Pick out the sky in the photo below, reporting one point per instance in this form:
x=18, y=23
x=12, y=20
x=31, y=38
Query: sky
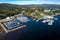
x=25, y=2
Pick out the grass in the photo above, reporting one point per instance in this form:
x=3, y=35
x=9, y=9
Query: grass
x=37, y=15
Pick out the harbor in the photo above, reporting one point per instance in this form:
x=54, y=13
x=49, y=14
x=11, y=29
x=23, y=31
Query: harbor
x=29, y=19
x=13, y=23
x=18, y=20
x=33, y=31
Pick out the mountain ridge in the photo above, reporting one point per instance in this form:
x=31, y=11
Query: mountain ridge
x=30, y=5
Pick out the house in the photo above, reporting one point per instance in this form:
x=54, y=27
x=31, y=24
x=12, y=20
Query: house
x=47, y=10
x=9, y=18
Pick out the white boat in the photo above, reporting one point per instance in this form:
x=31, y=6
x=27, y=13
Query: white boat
x=44, y=21
x=23, y=19
x=49, y=20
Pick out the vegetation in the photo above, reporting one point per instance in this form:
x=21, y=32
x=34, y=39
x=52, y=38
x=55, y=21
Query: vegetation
x=12, y=9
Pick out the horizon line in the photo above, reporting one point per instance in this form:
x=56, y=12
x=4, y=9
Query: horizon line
x=29, y=4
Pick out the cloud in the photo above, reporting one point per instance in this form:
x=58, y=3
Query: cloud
x=24, y=2
x=33, y=2
x=15, y=0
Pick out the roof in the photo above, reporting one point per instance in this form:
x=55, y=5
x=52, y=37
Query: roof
x=48, y=17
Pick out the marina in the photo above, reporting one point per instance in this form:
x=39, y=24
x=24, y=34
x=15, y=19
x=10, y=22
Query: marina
x=14, y=24
x=33, y=31
x=20, y=21
x=49, y=20
x=29, y=19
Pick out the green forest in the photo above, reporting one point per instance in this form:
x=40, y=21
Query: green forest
x=12, y=9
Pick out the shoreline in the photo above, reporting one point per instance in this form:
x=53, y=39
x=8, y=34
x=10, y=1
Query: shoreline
x=42, y=17
x=35, y=19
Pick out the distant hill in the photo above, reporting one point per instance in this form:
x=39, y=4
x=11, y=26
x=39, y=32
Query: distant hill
x=5, y=5
x=14, y=9
x=44, y=5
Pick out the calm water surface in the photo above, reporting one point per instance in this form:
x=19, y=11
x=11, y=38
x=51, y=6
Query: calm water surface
x=35, y=30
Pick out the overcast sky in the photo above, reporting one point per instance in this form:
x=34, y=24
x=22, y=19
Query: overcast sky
x=24, y=2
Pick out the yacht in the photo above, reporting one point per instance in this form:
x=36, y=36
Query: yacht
x=49, y=19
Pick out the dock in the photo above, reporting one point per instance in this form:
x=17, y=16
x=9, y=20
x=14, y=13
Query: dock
x=8, y=20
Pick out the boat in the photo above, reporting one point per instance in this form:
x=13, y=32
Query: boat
x=49, y=19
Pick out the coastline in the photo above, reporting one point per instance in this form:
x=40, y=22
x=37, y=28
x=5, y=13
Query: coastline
x=42, y=17
x=35, y=19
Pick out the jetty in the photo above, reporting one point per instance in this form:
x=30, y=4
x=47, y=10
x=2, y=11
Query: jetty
x=13, y=23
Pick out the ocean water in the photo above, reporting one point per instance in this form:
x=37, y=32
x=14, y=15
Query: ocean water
x=35, y=30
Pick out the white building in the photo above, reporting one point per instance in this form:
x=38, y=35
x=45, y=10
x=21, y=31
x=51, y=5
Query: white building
x=9, y=18
x=47, y=10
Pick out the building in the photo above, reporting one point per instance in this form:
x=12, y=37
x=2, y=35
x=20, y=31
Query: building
x=47, y=11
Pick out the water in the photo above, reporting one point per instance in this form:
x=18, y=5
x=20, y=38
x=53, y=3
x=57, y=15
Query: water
x=35, y=30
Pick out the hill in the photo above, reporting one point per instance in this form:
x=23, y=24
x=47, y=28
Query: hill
x=5, y=5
